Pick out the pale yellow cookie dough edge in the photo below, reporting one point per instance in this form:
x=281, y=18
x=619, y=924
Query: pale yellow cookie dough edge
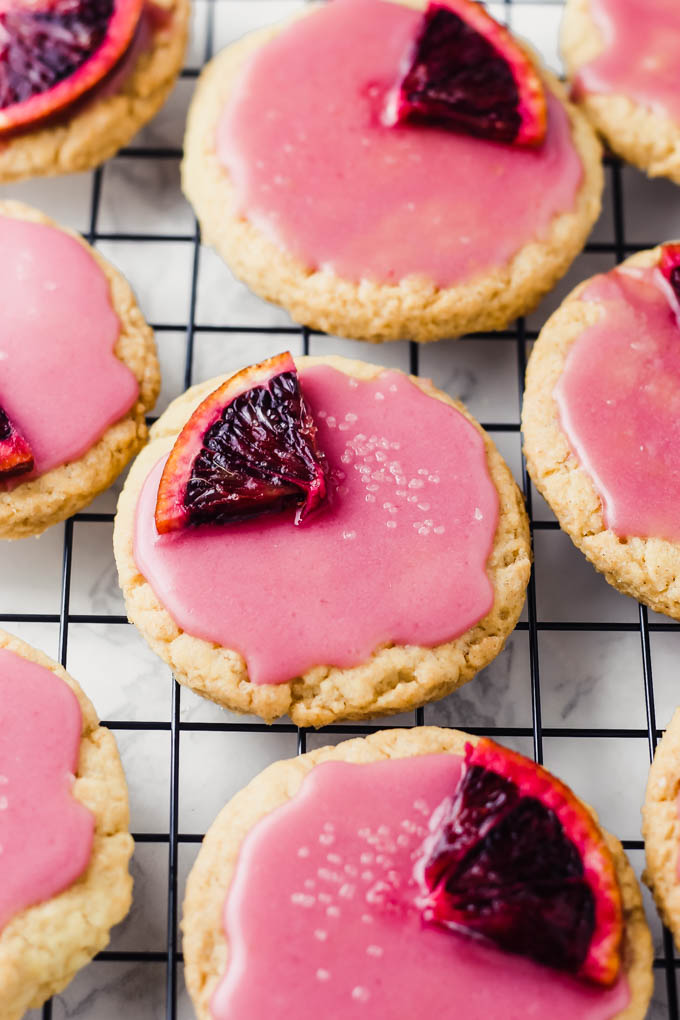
x=34, y=505
x=205, y=945
x=395, y=678
x=641, y=136
x=43, y=947
x=103, y=126
x=413, y=309
x=648, y=569
x=661, y=827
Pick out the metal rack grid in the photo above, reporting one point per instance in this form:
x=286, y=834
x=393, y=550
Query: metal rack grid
x=519, y=338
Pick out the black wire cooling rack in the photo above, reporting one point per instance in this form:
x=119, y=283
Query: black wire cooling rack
x=168, y=999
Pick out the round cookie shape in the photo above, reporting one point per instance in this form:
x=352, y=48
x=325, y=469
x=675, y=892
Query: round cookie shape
x=31, y=503
x=661, y=827
x=206, y=950
x=392, y=679
x=647, y=568
x=637, y=123
x=44, y=945
x=378, y=308
x=105, y=119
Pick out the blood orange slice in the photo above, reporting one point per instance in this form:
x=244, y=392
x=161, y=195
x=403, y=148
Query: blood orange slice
x=466, y=72
x=16, y=456
x=670, y=266
x=54, y=51
x=516, y=859
x=249, y=448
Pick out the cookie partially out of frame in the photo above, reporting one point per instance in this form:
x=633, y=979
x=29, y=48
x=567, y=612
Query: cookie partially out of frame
x=34, y=505
x=648, y=569
x=395, y=678
x=414, y=308
x=647, y=138
x=661, y=827
x=103, y=123
x=205, y=946
x=43, y=947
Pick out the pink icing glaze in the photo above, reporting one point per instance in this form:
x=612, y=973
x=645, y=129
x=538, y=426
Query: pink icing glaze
x=60, y=382
x=619, y=403
x=314, y=167
x=45, y=833
x=152, y=19
x=640, y=55
x=398, y=556
x=321, y=916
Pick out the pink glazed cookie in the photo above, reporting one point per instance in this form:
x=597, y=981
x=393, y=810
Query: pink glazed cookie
x=622, y=58
x=64, y=835
x=661, y=827
x=309, y=893
x=372, y=231
x=91, y=129
x=400, y=589
x=78, y=371
x=601, y=423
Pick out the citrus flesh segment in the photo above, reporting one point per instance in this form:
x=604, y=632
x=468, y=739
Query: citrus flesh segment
x=52, y=52
x=515, y=858
x=670, y=267
x=466, y=72
x=16, y=456
x=249, y=448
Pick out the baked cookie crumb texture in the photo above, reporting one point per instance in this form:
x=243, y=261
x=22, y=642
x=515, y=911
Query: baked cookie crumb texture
x=81, y=405
x=387, y=281
x=661, y=827
x=111, y=115
x=44, y=945
x=595, y=469
x=394, y=678
x=206, y=951
x=628, y=89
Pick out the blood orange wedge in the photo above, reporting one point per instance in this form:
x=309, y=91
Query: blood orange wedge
x=54, y=51
x=670, y=266
x=465, y=71
x=516, y=859
x=16, y=456
x=249, y=448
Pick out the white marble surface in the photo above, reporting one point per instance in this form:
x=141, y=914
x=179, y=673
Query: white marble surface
x=587, y=679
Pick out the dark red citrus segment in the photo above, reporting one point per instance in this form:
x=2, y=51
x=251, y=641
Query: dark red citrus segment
x=670, y=266
x=516, y=859
x=54, y=51
x=466, y=72
x=249, y=448
x=16, y=456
